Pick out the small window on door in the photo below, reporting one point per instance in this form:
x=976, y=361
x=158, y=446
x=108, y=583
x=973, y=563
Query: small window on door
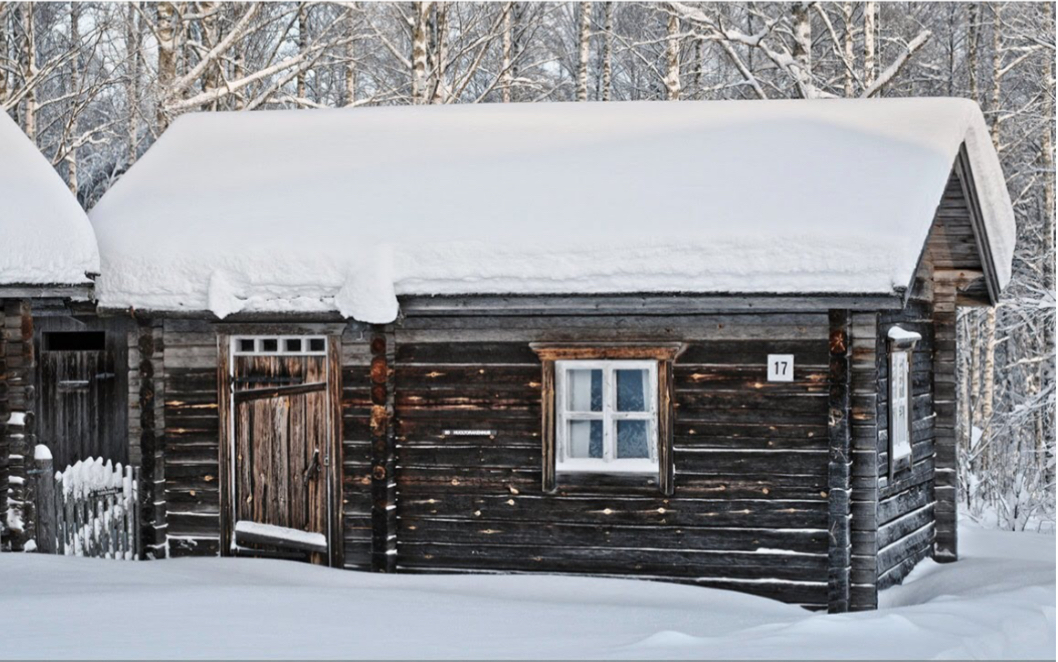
x=279, y=345
x=606, y=416
x=74, y=341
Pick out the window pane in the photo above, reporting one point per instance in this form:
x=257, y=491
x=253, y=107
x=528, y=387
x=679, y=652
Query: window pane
x=632, y=390
x=585, y=439
x=246, y=344
x=632, y=439
x=293, y=344
x=316, y=345
x=270, y=345
x=585, y=390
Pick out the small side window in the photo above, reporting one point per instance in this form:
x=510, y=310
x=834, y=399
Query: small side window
x=901, y=351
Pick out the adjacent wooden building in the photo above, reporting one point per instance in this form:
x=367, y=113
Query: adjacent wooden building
x=48, y=258
x=620, y=340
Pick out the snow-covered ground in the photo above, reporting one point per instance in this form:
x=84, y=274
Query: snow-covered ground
x=998, y=602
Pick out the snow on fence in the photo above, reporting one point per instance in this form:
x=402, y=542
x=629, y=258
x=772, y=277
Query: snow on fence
x=88, y=509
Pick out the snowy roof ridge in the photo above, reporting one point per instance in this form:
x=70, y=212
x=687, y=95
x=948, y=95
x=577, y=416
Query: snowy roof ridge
x=45, y=234
x=324, y=210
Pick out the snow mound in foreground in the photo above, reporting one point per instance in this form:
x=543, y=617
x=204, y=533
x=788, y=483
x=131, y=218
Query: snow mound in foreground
x=998, y=602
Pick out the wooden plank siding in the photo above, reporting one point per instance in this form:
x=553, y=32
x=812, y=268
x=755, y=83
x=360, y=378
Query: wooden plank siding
x=867, y=355
x=750, y=506
x=905, y=507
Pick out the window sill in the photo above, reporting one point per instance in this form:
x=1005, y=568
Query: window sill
x=592, y=481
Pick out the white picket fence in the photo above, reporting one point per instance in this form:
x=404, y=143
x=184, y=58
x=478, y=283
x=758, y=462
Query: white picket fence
x=96, y=510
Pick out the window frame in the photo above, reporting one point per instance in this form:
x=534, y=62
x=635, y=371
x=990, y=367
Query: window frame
x=663, y=355
x=609, y=415
x=901, y=350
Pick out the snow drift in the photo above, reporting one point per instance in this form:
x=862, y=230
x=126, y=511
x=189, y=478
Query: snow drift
x=348, y=209
x=45, y=237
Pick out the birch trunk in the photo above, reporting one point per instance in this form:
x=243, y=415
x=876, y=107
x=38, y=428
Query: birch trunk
x=349, y=67
x=607, y=51
x=971, y=51
x=75, y=79
x=29, y=64
x=166, y=34
x=584, y=49
x=672, y=58
x=440, y=87
x=802, y=53
x=506, y=77
x=419, y=90
x=850, y=56
x=869, y=35
x=133, y=30
x=303, y=44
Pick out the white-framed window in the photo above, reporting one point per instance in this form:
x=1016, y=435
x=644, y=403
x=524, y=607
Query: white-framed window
x=279, y=345
x=900, y=404
x=606, y=416
x=901, y=350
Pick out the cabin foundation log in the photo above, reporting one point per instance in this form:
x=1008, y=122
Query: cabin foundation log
x=383, y=453
x=839, y=466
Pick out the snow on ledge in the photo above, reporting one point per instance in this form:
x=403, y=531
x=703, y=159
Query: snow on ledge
x=902, y=336
x=281, y=533
x=345, y=210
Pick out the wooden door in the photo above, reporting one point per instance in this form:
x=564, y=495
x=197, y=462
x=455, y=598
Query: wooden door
x=282, y=449
x=77, y=395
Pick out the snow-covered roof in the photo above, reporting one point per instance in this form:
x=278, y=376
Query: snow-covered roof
x=347, y=209
x=45, y=236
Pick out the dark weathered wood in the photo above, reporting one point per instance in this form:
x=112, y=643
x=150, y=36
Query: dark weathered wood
x=383, y=453
x=946, y=546
x=43, y=476
x=633, y=304
x=148, y=437
x=547, y=428
x=839, y=561
x=666, y=426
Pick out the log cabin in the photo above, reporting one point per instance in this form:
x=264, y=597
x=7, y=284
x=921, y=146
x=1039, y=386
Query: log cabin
x=702, y=342
x=48, y=258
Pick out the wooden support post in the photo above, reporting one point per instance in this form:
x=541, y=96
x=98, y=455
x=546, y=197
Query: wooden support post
x=148, y=440
x=839, y=557
x=5, y=416
x=43, y=477
x=864, y=382
x=383, y=453
x=945, y=546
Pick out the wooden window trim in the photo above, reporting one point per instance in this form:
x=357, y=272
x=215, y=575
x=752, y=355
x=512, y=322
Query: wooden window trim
x=663, y=353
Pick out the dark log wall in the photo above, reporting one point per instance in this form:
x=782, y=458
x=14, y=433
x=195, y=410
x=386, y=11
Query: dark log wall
x=20, y=438
x=750, y=508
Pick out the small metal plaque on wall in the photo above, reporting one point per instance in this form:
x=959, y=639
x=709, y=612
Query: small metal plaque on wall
x=780, y=367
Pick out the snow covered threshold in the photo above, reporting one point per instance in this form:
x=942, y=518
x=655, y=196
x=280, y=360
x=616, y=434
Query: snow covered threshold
x=998, y=602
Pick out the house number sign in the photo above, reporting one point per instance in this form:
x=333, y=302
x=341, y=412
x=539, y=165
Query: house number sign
x=780, y=367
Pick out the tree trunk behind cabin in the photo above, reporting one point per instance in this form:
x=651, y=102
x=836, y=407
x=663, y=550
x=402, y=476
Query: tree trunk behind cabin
x=584, y=48
x=672, y=58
